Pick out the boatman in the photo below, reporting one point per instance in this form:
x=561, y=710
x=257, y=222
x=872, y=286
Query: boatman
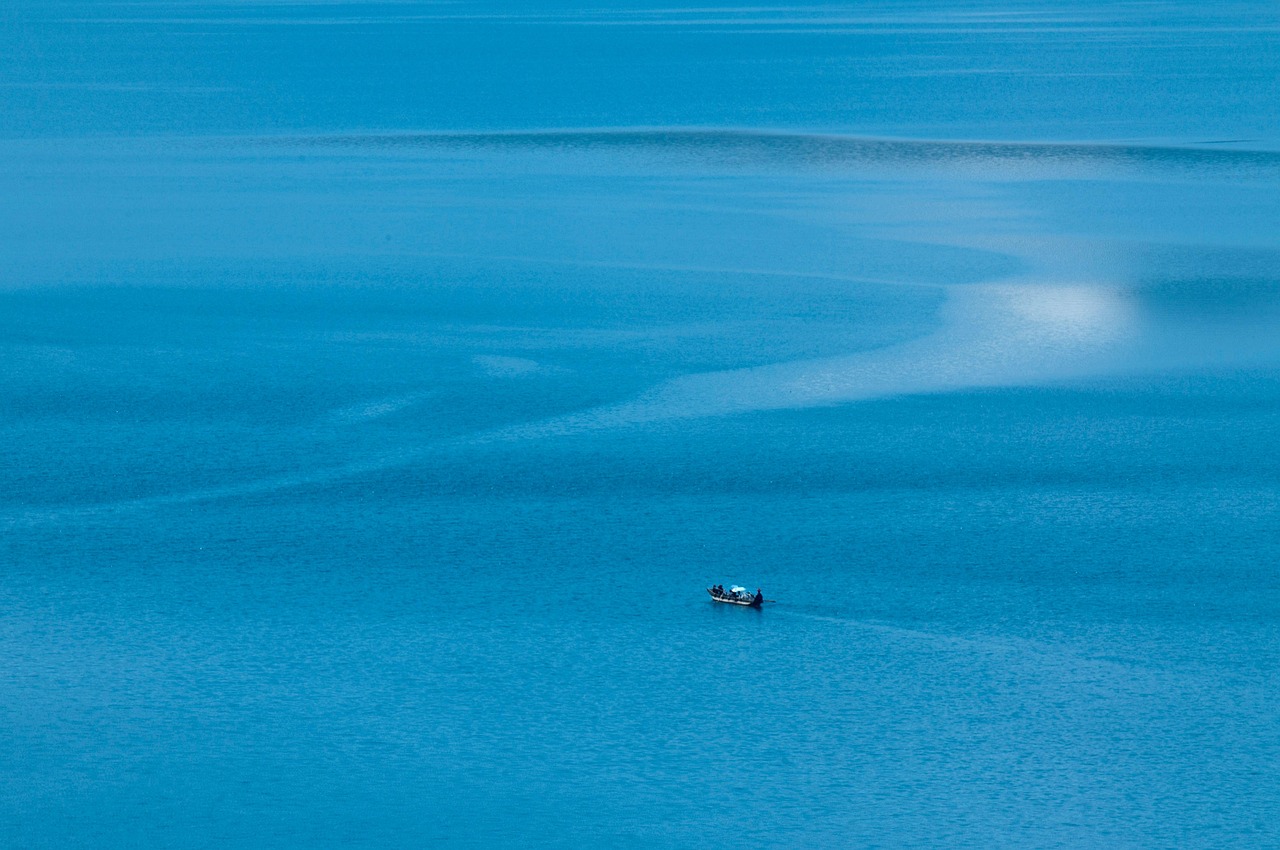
x=759, y=597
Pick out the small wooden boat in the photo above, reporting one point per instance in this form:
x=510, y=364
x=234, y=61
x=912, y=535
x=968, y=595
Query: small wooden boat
x=736, y=596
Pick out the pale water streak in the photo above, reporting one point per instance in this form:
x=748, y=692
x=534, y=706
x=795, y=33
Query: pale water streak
x=1011, y=334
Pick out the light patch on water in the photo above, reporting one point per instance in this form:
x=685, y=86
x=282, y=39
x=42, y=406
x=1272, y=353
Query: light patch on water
x=1084, y=315
x=1000, y=334
x=368, y=411
x=497, y=366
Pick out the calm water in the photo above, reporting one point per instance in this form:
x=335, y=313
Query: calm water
x=383, y=383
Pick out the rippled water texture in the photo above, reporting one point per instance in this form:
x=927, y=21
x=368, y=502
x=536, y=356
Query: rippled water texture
x=371, y=430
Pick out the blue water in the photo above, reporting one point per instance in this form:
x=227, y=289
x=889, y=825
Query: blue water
x=383, y=383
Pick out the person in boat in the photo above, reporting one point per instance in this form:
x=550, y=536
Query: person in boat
x=758, y=598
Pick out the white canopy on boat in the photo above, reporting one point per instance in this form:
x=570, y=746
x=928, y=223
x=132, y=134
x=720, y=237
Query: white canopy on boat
x=737, y=589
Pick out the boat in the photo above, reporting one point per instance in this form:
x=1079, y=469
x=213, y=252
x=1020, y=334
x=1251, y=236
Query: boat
x=736, y=595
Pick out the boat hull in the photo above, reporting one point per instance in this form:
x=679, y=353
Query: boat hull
x=730, y=600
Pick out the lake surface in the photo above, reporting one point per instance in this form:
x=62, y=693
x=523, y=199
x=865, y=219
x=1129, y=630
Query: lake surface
x=383, y=383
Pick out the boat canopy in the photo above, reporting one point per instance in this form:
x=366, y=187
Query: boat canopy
x=737, y=589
